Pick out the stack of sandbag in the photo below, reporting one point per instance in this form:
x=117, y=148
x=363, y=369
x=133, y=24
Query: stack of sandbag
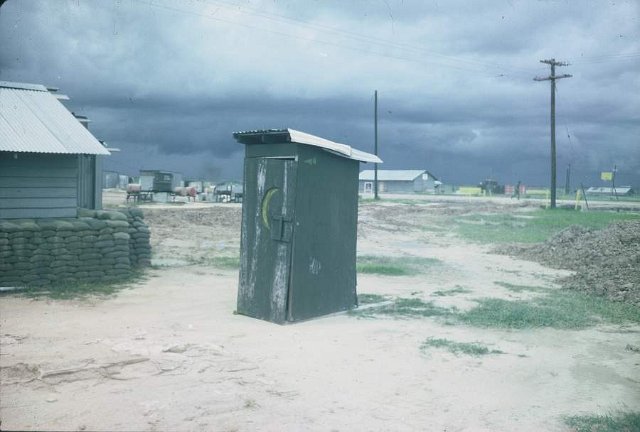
x=139, y=244
x=111, y=230
x=98, y=246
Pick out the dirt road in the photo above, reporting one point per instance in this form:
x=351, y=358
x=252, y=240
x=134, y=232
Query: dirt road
x=169, y=354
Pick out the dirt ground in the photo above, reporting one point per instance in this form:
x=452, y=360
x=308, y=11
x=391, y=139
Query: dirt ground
x=170, y=355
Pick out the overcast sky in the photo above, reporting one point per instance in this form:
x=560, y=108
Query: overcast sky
x=168, y=81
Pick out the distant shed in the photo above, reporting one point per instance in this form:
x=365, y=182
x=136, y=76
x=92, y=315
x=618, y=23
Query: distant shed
x=620, y=191
x=398, y=181
x=49, y=162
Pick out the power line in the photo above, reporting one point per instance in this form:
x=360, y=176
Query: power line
x=365, y=38
x=442, y=62
x=621, y=56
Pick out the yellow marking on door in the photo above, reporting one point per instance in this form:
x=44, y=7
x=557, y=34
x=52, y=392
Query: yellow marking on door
x=265, y=206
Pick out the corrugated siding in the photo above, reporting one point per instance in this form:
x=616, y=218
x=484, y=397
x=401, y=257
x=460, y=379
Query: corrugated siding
x=35, y=121
x=38, y=185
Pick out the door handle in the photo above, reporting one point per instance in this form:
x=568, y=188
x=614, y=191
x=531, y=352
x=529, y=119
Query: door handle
x=281, y=228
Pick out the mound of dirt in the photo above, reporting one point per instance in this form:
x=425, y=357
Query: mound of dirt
x=606, y=261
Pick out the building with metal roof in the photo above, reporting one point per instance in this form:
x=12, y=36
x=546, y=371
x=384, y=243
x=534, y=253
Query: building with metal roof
x=49, y=161
x=620, y=191
x=399, y=181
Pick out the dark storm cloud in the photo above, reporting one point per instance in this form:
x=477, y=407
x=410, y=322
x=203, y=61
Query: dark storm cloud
x=169, y=81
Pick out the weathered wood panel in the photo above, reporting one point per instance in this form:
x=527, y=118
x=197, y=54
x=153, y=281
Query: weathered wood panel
x=46, y=183
x=37, y=192
x=36, y=160
x=38, y=172
x=34, y=185
x=8, y=203
x=87, y=193
x=37, y=213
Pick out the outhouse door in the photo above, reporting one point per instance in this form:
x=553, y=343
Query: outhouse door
x=267, y=235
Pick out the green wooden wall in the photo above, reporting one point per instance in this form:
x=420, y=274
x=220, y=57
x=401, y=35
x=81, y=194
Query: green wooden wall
x=315, y=270
x=35, y=185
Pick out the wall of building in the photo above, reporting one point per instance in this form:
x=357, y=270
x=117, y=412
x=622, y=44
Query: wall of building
x=89, y=181
x=99, y=246
x=395, y=186
x=426, y=185
x=34, y=185
x=418, y=185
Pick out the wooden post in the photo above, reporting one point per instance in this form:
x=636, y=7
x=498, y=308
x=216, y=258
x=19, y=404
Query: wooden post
x=375, y=128
x=553, y=63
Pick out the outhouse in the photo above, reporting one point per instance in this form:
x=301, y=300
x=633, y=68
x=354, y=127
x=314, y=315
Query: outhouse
x=299, y=222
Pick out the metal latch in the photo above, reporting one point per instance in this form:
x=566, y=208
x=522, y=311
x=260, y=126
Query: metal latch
x=281, y=228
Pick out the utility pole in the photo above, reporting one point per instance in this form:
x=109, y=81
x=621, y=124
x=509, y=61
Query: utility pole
x=375, y=128
x=567, y=181
x=613, y=181
x=553, y=63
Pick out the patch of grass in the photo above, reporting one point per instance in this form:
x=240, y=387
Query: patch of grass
x=520, y=288
x=394, y=266
x=221, y=262
x=79, y=290
x=469, y=348
x=405, y=308
x=226, y=262
x=537, y=227
x=621, y=422
x=557, y=309
x=561, y=309
x=433, y=228
x=450, y=292
x=407, y=201
x=370, y=298
x=250, y=404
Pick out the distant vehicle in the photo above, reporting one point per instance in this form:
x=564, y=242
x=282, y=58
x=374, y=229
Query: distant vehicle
x=491, y=187
x=229, y=192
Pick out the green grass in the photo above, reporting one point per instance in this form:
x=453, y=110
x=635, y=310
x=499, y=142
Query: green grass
x=469, y=348
x=621, y=422
x=79, y=290
x=370, y=298
x=560, y=309
x=450, y=292
x=394, y=266
x=537, y=226
x=404, y=308
x=221, y=262
x=408, y=201
x=226, y=262
x=434, y=228
x=557, y=309
x=521, y=288
x=621, y=199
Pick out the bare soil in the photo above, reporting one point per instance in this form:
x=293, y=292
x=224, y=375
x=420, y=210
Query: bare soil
x=170, y=355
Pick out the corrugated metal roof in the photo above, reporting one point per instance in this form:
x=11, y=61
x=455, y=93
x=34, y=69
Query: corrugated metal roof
x=33, y=120
x=292, y=135
x=392, y=175
x=24, y=86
